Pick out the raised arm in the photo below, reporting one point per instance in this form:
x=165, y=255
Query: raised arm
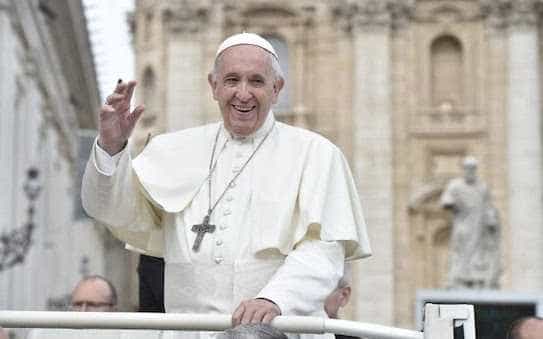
x=111, y=192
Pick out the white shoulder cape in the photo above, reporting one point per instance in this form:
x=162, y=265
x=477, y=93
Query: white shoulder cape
x=302, y=184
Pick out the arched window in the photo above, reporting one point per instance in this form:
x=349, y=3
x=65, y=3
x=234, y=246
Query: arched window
x=281, y=48
x=447, y=74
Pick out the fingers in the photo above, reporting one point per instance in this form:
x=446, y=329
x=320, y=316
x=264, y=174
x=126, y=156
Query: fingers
x=107, y=113
x=238, y=315
x=114, y=99
x=136, y=113
x=255, y=311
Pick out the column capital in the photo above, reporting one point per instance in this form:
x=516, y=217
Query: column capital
x=185, y=16
x=501, y=14
x=495, y=13
x=524, y=13
x=371, y=14
x=379, y=14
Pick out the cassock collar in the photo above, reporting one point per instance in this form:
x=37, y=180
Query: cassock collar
x=256, y=136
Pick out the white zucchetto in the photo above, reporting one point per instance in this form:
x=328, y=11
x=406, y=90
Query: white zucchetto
x=246, y=39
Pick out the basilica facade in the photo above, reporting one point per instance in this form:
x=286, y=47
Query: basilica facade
x=407, y=89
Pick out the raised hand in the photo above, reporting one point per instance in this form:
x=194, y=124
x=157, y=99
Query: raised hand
x=116, y=122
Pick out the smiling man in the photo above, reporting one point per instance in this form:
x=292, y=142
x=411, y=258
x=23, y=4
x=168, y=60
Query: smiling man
x=253, y=217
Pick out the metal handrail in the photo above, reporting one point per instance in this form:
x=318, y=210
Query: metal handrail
x=193, y=322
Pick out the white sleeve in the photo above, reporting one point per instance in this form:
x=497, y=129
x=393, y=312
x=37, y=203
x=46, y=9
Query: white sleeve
x=309, y=274
x=105, y=163
x=111, y=194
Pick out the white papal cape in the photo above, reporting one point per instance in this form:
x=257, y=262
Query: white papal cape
x=283, y=227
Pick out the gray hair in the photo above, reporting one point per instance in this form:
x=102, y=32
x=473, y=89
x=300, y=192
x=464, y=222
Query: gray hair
x=252, y=331
x=276, y=67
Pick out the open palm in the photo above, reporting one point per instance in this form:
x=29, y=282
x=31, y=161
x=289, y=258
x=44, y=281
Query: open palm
x=116, y=120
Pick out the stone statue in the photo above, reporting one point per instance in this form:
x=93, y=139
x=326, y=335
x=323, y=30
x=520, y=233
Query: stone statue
x=474, y=259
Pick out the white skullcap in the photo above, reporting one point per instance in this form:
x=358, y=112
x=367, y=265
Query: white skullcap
x=246, y=39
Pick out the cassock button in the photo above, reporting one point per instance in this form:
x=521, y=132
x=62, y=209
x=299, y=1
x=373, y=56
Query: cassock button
x=218, y=242
x=229, y=198
x=219, y=260
x=223, y=227
x=227, y=212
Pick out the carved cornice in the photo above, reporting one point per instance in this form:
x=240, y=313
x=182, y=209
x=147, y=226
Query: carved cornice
x=371, y=14
x=501, y=14
x=185, y=16
x=402, y=12
x=524, y=13
x=374, y=14
x=496, y=13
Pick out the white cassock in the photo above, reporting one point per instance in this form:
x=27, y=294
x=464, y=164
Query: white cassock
x=283, y=228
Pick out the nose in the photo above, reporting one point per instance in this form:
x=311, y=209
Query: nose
x=244, y=93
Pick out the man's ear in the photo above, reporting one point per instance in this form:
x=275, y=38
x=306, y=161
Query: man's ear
x=213, y=84
x=277, y=87
x=345, y=296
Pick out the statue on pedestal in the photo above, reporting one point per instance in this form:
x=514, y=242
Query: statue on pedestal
x=474, y=248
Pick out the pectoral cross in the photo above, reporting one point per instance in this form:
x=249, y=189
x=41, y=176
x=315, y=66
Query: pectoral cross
x=201, y=230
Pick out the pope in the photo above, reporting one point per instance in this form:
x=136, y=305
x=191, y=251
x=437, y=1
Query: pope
x=253, y=217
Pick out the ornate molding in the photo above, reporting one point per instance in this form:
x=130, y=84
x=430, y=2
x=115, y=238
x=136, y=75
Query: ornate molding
x=402, y=12
x=501, y=14
x=185, y=16
x=524, y=13
x=374, y=14
x=371, y=14
x=495, y=12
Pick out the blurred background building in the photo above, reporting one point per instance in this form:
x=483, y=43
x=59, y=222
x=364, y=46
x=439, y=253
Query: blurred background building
x=407, y=89
x=49, y=97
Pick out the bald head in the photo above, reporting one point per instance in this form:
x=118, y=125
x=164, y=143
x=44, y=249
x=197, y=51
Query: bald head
x=94, y=294
x=526, y=328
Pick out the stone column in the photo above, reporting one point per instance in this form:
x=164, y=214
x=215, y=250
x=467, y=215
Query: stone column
x=7, y=136
x=185, y=64
x=524, y=148
x=372, y=154
x=495, y=110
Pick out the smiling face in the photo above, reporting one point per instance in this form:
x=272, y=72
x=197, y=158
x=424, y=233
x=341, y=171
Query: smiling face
x=245, y=86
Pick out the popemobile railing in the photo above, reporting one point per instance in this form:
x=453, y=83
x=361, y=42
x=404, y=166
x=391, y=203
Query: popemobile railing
x=440, y=323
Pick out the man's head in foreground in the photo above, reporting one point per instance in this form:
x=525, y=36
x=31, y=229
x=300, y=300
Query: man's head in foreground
x=94, y=294
x=245, y=81
x=252, y=331
x=340, y=296
x=526, y=328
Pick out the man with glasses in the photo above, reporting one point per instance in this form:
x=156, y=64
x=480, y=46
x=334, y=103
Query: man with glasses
x=94, y=294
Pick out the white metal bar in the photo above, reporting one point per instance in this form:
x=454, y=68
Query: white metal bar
x=193, y=322
x=359, y=329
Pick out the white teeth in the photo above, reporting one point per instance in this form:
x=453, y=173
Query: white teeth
x=243, y=109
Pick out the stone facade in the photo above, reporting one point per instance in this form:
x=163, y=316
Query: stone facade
x=407, y=88
x=49, y=100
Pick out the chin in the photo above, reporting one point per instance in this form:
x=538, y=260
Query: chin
x=243, y=129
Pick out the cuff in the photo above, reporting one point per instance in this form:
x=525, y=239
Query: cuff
x=105, y=163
